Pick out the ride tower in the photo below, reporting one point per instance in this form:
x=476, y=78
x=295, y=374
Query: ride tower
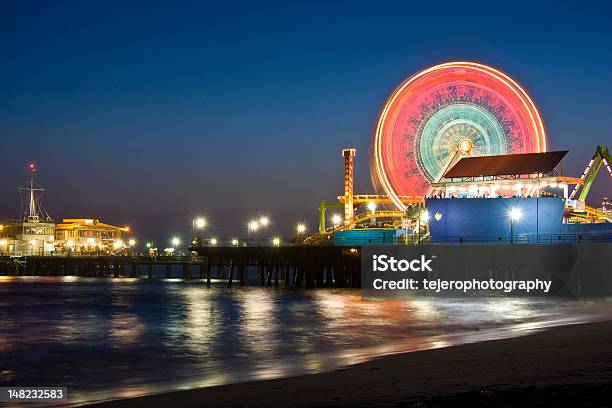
x=349, y=155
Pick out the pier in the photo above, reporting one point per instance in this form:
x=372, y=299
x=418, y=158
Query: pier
x=291, y=266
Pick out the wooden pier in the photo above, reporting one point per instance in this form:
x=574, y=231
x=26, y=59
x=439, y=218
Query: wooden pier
x=291, y=266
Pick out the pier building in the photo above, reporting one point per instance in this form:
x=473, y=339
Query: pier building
x=34, y=232
x=28, y=237
x=87, y=235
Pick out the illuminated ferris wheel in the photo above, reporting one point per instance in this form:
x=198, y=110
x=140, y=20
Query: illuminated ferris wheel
x=445, y=109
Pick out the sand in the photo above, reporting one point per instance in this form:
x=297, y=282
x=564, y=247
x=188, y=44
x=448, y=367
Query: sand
x=560, y=365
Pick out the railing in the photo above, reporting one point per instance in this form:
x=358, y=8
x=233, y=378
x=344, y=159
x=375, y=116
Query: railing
x=482, y=239
x=363, y=241
x=425, y=240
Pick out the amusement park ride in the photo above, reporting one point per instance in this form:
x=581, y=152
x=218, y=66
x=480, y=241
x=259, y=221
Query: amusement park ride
x=580, y=211
x=464, y=130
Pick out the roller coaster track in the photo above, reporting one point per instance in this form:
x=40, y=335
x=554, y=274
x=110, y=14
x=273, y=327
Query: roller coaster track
x=368, y=216
x=359, y=218
x=591, y=215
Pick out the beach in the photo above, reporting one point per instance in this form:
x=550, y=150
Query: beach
x=551, y=367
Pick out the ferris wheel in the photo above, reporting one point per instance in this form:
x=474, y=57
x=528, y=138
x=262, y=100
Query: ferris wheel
x=445, y=109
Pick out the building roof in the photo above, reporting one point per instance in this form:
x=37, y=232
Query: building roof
x=76, y=223
x=508, y=164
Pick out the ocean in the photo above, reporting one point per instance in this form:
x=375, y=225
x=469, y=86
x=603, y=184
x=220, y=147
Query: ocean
x=118, y=338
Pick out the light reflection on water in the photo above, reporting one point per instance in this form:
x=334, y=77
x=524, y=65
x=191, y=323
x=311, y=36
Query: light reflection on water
x=120, y=338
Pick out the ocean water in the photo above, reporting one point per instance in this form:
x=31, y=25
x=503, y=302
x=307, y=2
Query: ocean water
x=117, y=338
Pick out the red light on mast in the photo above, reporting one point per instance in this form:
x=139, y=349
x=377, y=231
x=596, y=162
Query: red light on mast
x=32, y=167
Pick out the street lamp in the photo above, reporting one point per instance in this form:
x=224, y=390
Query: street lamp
x=252, y=228
x=255, y=225
x=301, y=229
x=175, y=241
x=131, y=244
x=515, y=215
x=198, y=223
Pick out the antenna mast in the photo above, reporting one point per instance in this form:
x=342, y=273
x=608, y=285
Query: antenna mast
x=32, y=211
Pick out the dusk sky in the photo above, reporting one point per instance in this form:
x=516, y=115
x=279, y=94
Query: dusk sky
x=148, y=114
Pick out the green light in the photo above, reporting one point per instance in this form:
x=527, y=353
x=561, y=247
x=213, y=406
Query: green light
x=447, y=128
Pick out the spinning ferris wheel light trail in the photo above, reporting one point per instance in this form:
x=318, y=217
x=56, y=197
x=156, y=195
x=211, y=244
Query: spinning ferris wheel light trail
x=450, y=108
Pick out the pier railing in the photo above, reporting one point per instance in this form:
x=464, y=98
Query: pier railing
x=480, y=239
x=412, y=240
x=189, y=253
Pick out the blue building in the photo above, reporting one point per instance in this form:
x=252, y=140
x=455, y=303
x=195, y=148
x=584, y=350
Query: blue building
x=493, y=219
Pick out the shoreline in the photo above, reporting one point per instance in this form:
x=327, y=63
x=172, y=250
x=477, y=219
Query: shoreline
x=571, y=359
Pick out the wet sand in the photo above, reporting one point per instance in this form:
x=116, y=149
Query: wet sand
x=559, y=365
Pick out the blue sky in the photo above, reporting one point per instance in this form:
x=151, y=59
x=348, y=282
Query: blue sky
x=149, y=113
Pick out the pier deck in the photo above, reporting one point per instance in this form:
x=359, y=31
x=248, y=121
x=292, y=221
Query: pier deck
x=292, y=266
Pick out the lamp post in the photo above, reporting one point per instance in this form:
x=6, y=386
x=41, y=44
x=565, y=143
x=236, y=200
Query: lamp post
x=175, y=241
x=262, y=223
x=198, y=223
x=515, y=215
x=252, y=227
x=301, y=228
x=336, y=220
x=132, y=244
